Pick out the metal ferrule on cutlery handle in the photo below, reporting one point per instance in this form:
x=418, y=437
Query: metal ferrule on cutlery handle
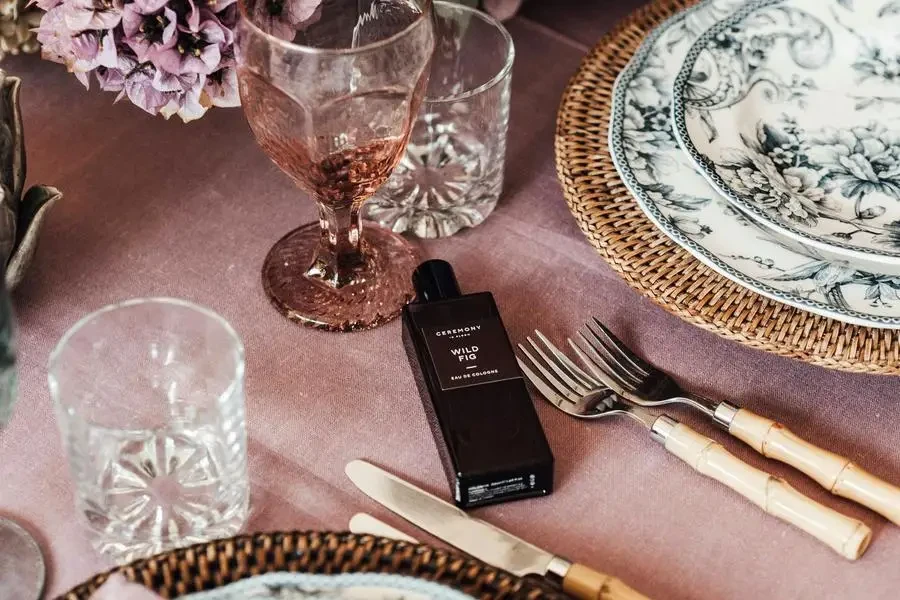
x=848, y=537
x=835, y=473
x=585, y=583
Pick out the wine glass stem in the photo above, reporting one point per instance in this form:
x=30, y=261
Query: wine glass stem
x=339, y=255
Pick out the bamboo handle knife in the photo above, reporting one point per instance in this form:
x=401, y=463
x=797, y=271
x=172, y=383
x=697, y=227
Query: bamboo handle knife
x=579, y=581
x=480, y=539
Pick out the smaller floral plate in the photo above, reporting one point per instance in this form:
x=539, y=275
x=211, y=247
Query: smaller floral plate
x=791, y=110
x=348, y=586
x=681, y=202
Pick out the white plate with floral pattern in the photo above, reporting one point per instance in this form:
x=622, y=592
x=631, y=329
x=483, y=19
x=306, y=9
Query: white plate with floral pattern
x=681, y=202
x=348, y=586
x=791, y=109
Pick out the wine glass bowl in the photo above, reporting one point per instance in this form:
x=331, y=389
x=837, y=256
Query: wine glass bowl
x=333, y=107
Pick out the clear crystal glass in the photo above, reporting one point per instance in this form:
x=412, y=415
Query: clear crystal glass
x=451, y=175
x=333, y=107
x=149, y=398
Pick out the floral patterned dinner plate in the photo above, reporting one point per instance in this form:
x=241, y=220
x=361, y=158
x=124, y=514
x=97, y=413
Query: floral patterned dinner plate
x=351, y=586
x=294, y=565
x=791, y=109
x=681, y=202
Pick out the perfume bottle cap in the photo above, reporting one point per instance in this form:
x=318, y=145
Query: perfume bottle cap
x=435, y=280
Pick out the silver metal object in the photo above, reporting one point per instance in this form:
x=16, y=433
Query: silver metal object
x=620, y=369
x=577, y=393
x=367, y=524
x=22, y=568
x=557, y=570
x=443, y=520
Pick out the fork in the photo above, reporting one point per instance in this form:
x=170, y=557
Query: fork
x=620, y=369
x=575, y=392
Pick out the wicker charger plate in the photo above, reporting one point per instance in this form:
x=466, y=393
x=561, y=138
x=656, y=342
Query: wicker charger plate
x=655, y=265
x=219, y=563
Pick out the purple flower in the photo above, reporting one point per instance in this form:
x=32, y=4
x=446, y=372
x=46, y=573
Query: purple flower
x=281, y=17
x=46, y=5
x=299, y=12
x=168, y=57
x=192, y=17
x=149, y=27
x=138, y=85
x=222, y=88
x=110, y=79
x=92, y=14
x=55, y=37
x=195, y=52
x=80, y=52
x=171, y=83
x=229, y=16
x=227, y=57
x=149, y=7
x=92, y=51
x=218, y=6
x=187, y=99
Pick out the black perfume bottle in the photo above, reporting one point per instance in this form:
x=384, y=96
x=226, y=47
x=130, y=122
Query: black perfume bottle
x=481, y=415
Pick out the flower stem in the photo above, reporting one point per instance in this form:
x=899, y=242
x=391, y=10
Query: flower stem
x=858, y=226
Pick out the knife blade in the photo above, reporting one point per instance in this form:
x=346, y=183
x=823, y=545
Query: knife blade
x=481, y=539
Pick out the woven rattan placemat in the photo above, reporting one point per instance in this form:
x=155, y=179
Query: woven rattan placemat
x=655, y=265
x=221, y=562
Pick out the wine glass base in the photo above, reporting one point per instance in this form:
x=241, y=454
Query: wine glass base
x=384, y=283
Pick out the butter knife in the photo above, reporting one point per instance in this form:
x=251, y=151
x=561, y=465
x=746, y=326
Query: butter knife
x=367, y=524
x=482, y=540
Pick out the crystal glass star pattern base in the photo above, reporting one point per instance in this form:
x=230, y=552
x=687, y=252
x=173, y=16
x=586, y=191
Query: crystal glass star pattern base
x=447, y=180
x=150, y=402
x=315, y=303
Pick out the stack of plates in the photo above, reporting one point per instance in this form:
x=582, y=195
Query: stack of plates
x=764, y=138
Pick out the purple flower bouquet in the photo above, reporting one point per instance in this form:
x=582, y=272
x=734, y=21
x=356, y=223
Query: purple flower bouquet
x=503, y=9
x=169, y=57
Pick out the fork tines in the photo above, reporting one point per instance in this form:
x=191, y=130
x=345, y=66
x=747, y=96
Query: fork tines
x=610, y=360
x=617, y=349
x=609, y=363
x=561, y=380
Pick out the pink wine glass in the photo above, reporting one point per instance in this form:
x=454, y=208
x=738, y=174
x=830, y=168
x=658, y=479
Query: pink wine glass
x=331, y=96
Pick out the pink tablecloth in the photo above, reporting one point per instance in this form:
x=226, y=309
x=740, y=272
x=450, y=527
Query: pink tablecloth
x=156, y=207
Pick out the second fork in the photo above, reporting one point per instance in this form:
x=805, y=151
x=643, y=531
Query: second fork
x=569, y=389
x=620, y=369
